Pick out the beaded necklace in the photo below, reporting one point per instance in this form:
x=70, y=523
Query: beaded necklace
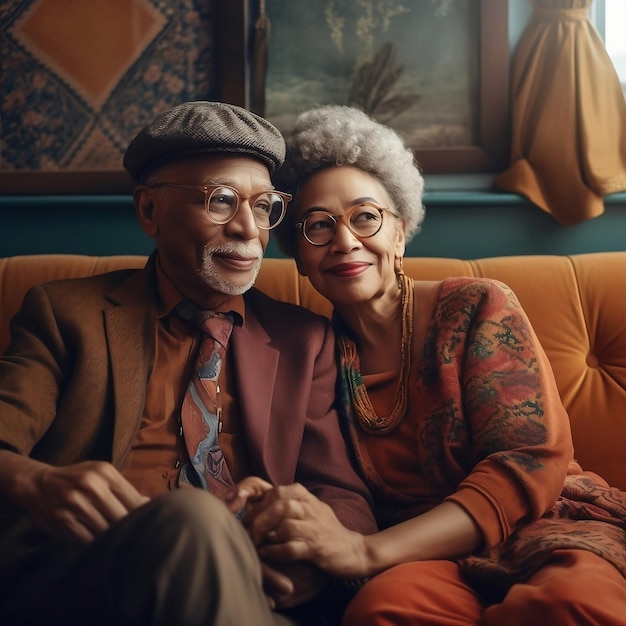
x=363, y=409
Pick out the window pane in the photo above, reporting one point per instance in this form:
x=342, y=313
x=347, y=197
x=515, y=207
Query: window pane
x=615, y=35
x=609, y=17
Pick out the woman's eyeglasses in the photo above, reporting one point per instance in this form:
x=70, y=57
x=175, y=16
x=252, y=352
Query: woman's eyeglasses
x=222, y=203
x=364, y=220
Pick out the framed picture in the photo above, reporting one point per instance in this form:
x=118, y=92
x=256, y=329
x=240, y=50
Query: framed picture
x=78, y=84
x=434, y=70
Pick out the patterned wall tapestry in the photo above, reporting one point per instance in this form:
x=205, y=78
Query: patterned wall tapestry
x=80, y=77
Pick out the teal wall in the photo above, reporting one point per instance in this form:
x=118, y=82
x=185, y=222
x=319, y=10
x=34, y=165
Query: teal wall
x=459, y=223
x=464, y=218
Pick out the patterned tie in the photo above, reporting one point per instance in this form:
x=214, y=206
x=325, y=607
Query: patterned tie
x=201, y=409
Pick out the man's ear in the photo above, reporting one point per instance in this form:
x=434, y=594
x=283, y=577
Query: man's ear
x=299, y=267
x=144, y=209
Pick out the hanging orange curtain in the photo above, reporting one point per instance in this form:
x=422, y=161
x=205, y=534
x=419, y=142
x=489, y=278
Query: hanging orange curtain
x=568, y=146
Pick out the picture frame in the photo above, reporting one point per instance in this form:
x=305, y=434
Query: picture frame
x=72, y=103
x=476, y=141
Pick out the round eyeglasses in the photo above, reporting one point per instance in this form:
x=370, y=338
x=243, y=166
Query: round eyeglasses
x=222, y=203
x=364, y=220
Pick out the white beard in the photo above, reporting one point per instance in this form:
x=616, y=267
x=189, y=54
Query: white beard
x=217, y=281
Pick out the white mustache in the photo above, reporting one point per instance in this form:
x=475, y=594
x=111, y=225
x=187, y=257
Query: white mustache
x=244, y=250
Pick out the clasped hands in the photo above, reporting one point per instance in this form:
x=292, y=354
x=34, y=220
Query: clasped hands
x=293, y=530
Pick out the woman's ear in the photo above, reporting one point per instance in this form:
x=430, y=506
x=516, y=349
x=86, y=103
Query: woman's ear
x=400, y=245
x=144, y=209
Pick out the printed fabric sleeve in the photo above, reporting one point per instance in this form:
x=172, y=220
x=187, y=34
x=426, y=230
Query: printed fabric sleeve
x=506, y=441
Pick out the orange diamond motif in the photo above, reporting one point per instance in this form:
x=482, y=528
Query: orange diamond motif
x=89, y=44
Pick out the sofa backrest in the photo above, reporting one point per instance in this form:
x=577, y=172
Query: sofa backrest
x=577, y=305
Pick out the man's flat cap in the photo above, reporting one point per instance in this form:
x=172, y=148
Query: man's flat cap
x=201, y=127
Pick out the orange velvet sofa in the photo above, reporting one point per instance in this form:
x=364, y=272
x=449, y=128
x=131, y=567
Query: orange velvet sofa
x=577, y=305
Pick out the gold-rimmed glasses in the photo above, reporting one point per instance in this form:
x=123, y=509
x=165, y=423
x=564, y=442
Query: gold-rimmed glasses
x=222, y=203
x=364, y=220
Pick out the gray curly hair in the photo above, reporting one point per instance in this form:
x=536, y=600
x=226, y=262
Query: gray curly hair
x=341, y=135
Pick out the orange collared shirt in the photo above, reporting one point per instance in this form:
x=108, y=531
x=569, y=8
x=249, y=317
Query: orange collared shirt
x=158, y=451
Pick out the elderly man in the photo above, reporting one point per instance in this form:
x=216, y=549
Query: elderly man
x=131, y=402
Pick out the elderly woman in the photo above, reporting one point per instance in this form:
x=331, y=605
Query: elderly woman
x=452, y=410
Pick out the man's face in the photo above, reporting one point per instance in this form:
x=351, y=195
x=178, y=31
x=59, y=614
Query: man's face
x=208, y=262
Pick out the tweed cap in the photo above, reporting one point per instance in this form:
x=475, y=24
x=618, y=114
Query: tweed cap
x=201, y=127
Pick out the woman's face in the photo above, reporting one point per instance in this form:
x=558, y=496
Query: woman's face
x=350, y=268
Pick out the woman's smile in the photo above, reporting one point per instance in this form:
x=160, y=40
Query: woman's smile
x=348, y=270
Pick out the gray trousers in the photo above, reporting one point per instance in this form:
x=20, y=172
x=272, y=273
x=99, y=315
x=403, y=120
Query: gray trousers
x=180, y=560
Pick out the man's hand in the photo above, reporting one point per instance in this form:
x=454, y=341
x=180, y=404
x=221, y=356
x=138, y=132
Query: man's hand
x=250, y=489
x=78, y=501
x=290, y=584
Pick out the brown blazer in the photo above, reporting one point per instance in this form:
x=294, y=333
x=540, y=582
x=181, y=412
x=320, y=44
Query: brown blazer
x=73, y=381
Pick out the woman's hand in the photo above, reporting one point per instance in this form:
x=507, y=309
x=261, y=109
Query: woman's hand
x=289, y=524
x=285, y=584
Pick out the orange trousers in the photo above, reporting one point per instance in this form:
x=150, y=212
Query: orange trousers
x=573, y=587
